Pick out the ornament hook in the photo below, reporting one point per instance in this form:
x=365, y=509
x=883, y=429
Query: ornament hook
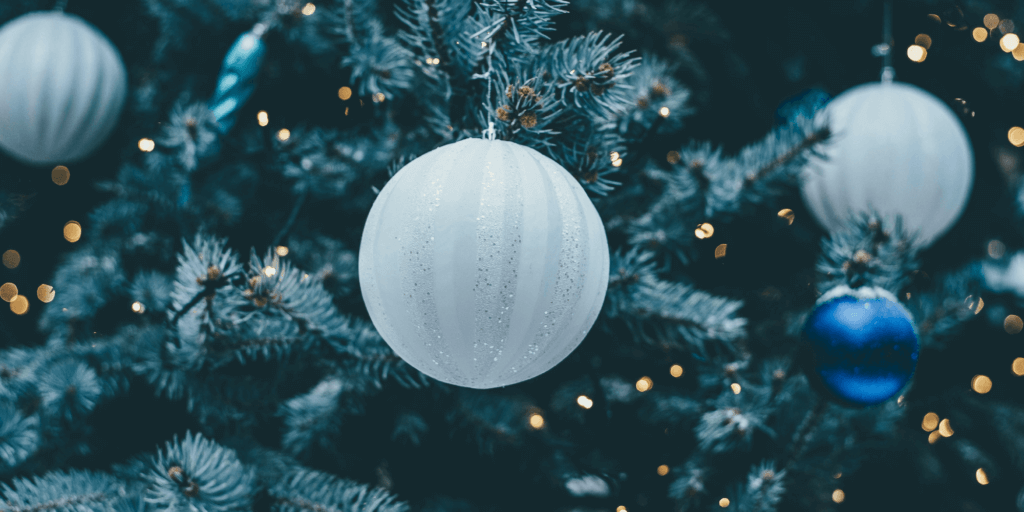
x=490, y=132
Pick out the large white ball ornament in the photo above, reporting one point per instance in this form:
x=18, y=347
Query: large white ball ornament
x=62, y=86
x=895, y=150
x=483, y=263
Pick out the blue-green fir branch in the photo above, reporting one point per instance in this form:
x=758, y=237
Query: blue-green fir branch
x=313, y=491
x=868, y=253
x=64, y=491
x=196, y=473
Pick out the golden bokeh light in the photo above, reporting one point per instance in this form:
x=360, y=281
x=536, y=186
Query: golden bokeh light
x=1018, y=367
x=933, y=437
x=924, y=40
x=837, y=476
x=72, y=231
x=724, y=502
x=617, y=162
x=614, y=155
x=281, y=250
x=60, y=175
x=930, y=422
x=663, y=112
x=736, y=388
x=345, y=93
x=991, y=21
x=8, y=291
x=720, y=251
x=138, y=307
x=644, y=384
x=981, y=477
x=1009, y=42
x=945, y=430
x=536, y=421
x=980, y=34
x=996, y=249
x=673, y=157
x=584, y=401
x=981, y=384
x=1018, y=53
x=1016, y=136
x=1013, y=324
x=283, y=134
x=917, y=53
x=379, y=97
x=663, y=470
x=146, y=145
x=11, y=258
x=269, y=271
x=787, y=214
x=45, y=293
x=19, y=305
x=704, y=230
x=1006, y=26
x=308, y=9
x=262, y=118
x=621, y=508
x=676, y=371
x=838, y=495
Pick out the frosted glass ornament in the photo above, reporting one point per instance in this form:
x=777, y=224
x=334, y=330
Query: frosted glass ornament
x=896, y=150
x=62, y=86
x=483, y=263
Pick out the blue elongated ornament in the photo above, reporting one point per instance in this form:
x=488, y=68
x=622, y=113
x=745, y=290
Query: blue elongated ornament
x=863, y=345
x=237, y=77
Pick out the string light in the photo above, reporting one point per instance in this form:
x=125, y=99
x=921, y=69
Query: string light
x=138, y=307
x=991, y=21
x=1013, y=324
x=146, y=145
x=663, y=112
x=19, y=305
x=1009, y=42
x=980, y=34
x=704, y=230
x=1018, y=367
x=72, y=231
x=308, y=9
x=283, y=134
x=736, y=388
x=262, y=118
x=944, y=429
x=724, y=502
x=930, y=422
x=8, y=291
x=676, y=371
x=11, y=258
x=981, y=477
x=536, y=421
x=60, y=175
x=281, y=250
x=663, y=470
x=838, y=495
x=981, y=384
x=644, y=384
x=584, y=401
x=917, y=53
x=345, y=93
x=1016, y=136
x=45, y=293
x=269, y=271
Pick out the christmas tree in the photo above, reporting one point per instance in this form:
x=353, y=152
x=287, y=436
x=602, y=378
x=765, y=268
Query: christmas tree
x=187, y=328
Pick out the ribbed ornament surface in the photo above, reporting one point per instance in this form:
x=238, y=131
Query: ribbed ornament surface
x=62, y=86
x=483, y=263
x=897, y=150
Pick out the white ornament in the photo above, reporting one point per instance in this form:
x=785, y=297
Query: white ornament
x=895, y=150
x=62, y=86
x=483, y=263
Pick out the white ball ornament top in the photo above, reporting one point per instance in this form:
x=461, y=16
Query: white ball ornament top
x=62, y=86
x=895, y=150
x=483, y=263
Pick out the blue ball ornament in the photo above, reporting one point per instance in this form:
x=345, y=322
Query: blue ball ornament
x=863, y=345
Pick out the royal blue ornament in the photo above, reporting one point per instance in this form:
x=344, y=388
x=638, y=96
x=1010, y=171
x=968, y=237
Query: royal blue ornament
x=237, y=77
x=863, y=345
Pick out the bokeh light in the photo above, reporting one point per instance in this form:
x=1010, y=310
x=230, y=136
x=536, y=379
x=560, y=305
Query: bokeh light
x=981, y=477
x=308, y=9
x=924, y=40
x=45, y=293
x=19, y=305
x=60, y=175
x=787, y=214
x=262, y=118
x=536, y=421
x=676, y=371
x=72, y=231
x=11, y=258
x=930, y=422
x=980, y=34
x=724, y=502
x=991, y=21
x=838, y=495
x=1009, y=42
x=917, y=53
x=281, y=250
x=644, y=384
x=945, y=430
x=981, y=384
x=283, y=134
x=1016, y=136
x=147, y=145
x=663, y=470
x=704, y=230
x=345, y=93
x=584, y=401
x=8, y=291
x=1018, y=367
x=1013, y=324
x=720, y=251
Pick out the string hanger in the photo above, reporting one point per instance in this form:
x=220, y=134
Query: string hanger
x=884, y=49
